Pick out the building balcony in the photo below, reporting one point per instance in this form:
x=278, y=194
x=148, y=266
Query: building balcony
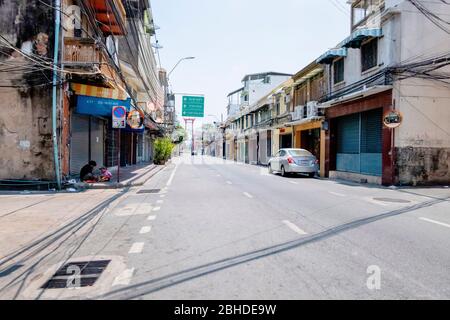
x=84, y=54
x=81, y=52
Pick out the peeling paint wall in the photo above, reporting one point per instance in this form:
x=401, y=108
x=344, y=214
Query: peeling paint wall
x=26, y=29
x=423, y=140
x=423, y=166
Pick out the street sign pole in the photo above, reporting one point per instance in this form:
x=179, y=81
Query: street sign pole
x=193, y=137
x=119, y=115
x=118, y=157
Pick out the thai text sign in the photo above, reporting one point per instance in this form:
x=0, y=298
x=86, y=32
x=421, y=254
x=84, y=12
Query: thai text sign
x=193, y=107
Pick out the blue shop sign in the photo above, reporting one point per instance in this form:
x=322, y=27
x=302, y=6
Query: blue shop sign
x=95, y=106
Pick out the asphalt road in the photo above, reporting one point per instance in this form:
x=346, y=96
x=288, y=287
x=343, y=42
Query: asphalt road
x=215, y=229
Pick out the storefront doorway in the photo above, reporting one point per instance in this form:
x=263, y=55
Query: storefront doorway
x=310, y=140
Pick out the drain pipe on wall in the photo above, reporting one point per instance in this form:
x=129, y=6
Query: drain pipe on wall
x=55, y=82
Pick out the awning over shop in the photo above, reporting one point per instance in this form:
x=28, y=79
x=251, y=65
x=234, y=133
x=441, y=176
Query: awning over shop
x=360, y=35
x=99, y=92
x=101, y=107
x=304, y=121
x=330, y=55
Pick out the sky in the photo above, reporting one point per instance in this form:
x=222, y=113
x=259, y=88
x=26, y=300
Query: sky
x=232, y=38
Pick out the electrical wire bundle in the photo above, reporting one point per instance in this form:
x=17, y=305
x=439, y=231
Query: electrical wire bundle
x=434, y=18
x=430, y=68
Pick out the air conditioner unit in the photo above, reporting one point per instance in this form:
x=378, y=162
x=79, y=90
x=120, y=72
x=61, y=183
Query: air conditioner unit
x=298, y=113
x=72, y=19
x=287, y=99
x=312, y=109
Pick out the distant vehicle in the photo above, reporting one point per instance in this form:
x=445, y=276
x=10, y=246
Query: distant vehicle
x=298, y=161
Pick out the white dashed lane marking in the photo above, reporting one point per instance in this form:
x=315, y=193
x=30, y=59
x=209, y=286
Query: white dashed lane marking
x=294, y=228
x=172, y=176
x=136, y=248
x=248, y=195
x=156, y=208
x=151, y=218
x=376, y=202
x=160, y=201
x=145, y=230
x=229, y=182
x=124, y=278
x=435, y=222
x=337, y=194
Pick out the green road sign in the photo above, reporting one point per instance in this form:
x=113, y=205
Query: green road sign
x=193, y=107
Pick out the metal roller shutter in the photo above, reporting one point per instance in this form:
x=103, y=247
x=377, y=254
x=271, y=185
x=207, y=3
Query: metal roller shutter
x=97, y=141
x=371, y=142
x=79, y=143
x=359, y=143
x=348, y=134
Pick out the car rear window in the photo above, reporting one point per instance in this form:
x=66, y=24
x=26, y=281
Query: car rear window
x=300, y=153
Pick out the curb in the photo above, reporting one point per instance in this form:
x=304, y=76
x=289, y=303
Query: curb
x=136, y=182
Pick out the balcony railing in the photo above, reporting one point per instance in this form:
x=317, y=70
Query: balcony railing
x=79, y=51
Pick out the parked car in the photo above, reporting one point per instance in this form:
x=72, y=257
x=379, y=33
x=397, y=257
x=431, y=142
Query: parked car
x=298, y=161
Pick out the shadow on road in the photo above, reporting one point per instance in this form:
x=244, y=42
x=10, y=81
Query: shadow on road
x=151, y=286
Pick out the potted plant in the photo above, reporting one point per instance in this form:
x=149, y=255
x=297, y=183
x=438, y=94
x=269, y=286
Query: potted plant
x=163, y=150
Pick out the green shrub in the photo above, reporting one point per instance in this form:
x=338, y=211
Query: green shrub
x=163, y=150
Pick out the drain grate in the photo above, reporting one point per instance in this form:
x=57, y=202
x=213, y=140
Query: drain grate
x=77, y=274
x=145, y=191
x=393, y=200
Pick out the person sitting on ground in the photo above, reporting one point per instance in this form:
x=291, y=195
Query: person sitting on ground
x=106, y=175
x=86, y=173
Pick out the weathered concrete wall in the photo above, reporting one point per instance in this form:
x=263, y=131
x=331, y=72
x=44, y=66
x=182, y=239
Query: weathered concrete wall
x=26, y=27
x=423, y=140
x=423, y=166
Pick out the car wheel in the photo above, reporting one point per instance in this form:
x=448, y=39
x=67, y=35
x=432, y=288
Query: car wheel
x=270, y=168
x=283, y=171
x=312, y=174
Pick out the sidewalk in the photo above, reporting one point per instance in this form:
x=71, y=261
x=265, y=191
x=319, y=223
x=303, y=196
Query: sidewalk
x=130, y=176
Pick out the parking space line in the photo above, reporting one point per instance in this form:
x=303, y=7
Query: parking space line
x=435, y=222
x=137, y=247
x=124, y=278
x=294, y=228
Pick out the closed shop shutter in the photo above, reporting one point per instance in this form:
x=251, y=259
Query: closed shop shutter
x=79, y=143
x=371, y=131
x=348, y=134
x=371, y=142
x=348, y=143
x=359, y=143
x=97, y=141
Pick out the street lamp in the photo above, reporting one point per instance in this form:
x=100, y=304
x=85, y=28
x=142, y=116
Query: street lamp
x=182, y=59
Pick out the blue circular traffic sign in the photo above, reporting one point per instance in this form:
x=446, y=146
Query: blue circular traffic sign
x=120, y=112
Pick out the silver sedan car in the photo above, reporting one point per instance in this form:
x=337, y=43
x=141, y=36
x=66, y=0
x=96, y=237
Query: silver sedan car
x=294, y=161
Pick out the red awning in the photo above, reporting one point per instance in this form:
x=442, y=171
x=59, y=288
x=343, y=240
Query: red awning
x=111, y=16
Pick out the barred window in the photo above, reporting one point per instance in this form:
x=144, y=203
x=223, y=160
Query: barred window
x=369, y=55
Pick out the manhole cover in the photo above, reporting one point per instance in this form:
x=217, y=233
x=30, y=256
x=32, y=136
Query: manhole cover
x=393, y=200
x=149, y=191
x=77, y=274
